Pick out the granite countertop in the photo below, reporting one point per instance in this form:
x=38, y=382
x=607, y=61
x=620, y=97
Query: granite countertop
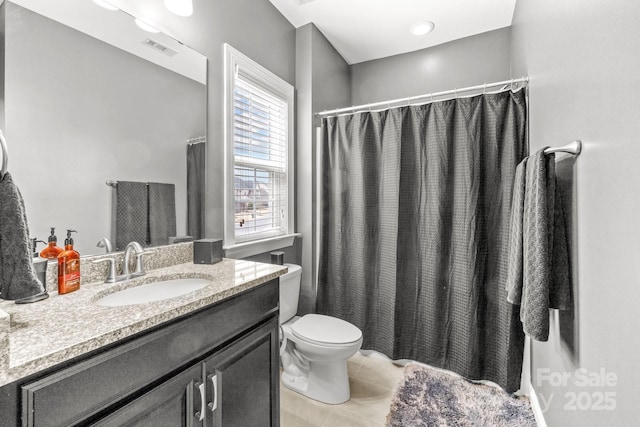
x=40, y=335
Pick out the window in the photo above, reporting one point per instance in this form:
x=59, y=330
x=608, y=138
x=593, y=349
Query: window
x=258, y=155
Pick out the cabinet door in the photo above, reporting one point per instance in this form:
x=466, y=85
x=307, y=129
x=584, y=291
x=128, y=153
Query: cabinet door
x=243, y=381
x=178, y=401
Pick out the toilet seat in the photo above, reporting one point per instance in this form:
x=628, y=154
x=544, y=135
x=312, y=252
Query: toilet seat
x=325, y=330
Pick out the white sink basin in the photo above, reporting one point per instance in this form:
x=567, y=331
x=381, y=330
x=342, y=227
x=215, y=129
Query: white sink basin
x=150, y=292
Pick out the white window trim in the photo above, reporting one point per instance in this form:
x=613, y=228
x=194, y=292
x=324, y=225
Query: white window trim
x=234, y=62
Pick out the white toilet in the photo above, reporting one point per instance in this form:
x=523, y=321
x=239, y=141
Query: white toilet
x=315, y=348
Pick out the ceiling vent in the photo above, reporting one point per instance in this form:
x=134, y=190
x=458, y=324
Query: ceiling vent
x=159, y=47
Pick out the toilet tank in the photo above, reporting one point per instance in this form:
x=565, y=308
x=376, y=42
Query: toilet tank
x=289, y=292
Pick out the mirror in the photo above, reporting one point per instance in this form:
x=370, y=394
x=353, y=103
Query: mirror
x=90, y=97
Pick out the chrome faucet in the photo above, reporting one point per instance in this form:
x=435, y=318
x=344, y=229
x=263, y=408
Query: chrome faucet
x=106, y=244
x=139, y=252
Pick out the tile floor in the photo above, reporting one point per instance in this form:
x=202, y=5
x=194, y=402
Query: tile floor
x=373, y=380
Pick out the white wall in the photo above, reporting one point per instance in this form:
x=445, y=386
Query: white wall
x=582, y=60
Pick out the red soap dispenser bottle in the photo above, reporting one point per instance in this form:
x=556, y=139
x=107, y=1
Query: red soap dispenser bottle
x=52, y=250
x=68, y=267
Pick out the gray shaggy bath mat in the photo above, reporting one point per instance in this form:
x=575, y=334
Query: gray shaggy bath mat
x=428, y=397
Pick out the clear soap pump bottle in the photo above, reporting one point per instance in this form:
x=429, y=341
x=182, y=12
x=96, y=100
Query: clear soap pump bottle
x=68, y=267
x=52, y=250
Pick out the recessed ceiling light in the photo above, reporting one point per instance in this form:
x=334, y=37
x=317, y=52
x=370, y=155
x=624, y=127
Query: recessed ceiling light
x=105, y=4
x=422, y=28
x=146, y=26
x=180, y=7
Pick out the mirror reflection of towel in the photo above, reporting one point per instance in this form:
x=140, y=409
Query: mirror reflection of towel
x=129, y=215
x=17, y=274
x=162, y=213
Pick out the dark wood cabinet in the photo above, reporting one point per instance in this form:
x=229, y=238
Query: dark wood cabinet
x=171, y=404
x=241, y=390
x=218, y=366
x=233, y=387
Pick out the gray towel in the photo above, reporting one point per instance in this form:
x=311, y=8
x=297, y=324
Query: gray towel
x=17, y=274
x=538, y=270
x=162, y=213
x=129, y=216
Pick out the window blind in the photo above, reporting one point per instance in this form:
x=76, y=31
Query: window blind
x=260, y=162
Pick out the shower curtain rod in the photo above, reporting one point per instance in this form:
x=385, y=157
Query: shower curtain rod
x=408, y=100
x=196, y=140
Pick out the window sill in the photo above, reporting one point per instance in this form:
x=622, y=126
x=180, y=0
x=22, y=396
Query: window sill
x=243, y=250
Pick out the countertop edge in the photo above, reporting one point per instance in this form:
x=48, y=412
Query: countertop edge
x=10, y=374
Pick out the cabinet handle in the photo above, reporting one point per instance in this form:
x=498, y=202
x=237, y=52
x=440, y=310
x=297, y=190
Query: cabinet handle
x=200, y=413
x=213, y=405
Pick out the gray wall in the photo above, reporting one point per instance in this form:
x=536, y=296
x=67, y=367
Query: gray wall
x=255, y=28
x=80, y=112
x=322, y=82
x=466, y=62
x=582, y=61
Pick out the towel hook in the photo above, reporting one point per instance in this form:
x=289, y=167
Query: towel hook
x=5, y=155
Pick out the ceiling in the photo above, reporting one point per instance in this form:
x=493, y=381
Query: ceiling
x=363, y=30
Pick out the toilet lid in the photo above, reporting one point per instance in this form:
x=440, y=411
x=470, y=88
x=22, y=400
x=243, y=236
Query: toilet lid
x=325, y=329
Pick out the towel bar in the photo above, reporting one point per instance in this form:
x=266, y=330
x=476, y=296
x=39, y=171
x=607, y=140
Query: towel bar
x=114, y=184
x=5, y=155
x=574, y=147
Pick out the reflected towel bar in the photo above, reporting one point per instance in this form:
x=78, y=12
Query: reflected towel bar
x=114, y=184
x=574, y=147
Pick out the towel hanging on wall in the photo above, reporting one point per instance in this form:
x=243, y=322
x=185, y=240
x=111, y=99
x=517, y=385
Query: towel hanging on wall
x=17, y=275
x=538, y=276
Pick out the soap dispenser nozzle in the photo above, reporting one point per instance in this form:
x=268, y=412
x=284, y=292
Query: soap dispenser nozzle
x=69, y=240
x=34, y=243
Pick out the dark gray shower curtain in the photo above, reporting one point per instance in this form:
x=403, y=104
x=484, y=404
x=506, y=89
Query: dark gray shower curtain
x=196, y=161
x=416, y=206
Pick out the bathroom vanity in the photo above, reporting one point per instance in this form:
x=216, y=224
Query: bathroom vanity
x=208, y=358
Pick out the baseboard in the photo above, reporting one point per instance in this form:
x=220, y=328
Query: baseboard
x=535, y=405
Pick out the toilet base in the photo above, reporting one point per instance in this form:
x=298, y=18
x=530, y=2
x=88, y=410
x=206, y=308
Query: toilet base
x=324, y=382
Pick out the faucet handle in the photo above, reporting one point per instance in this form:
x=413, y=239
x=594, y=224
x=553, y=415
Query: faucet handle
x=139, y=265
x=111, y=268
